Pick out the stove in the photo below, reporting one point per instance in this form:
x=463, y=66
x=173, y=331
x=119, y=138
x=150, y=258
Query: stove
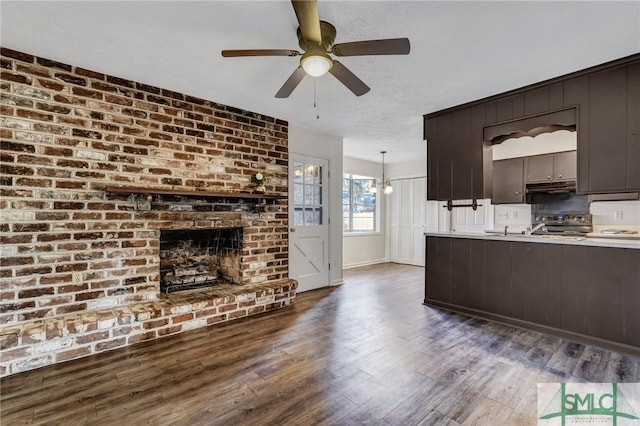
x=567, y=224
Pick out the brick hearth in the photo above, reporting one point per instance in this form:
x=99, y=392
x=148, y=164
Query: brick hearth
x=79, y=265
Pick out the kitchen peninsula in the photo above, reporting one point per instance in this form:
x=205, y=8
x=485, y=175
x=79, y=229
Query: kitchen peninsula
x=584, y=289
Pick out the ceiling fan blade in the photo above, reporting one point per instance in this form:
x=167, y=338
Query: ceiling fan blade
x=390, y=46
x=291, y=83
x=259, y=52
x=308, y=19
x=349, y=79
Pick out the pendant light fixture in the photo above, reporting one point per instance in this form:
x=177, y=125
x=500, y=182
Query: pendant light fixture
x=386, y=184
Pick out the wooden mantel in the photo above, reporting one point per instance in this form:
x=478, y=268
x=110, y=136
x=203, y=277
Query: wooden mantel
x=192, y=193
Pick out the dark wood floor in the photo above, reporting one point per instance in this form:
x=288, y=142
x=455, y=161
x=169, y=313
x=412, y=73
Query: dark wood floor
x=367, y=352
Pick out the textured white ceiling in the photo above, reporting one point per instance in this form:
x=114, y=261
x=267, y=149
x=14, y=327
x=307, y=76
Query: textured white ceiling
x=460, y=51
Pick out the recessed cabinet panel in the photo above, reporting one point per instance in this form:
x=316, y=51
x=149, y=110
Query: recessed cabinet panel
x=477, y=282
x=540, y=168
x=565, y=165
x=576, y=93
x=444, y=171
x=575, y=276
x=438, y=284
x=605, y=302
x=461, y=167
x=607, y=125
x=536, y=101
x=460, y=282
x=632, y=297
x=508, y=181
x=633, y=127
x=499, y=296
x=538, y=282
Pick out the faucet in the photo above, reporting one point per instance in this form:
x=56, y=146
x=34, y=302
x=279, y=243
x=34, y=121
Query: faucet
x=530, y=230
x=505, y=230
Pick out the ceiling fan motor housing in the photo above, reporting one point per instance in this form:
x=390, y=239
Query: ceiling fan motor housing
x=328, y=33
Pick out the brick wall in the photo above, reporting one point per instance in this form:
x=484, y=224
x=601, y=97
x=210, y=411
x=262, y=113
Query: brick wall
x=70, y=248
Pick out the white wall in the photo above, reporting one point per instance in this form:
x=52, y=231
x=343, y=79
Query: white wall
x=414, y=168
x=366, y=249
x=314, y=144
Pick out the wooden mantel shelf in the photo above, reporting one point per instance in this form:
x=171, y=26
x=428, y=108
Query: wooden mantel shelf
x=186, y=192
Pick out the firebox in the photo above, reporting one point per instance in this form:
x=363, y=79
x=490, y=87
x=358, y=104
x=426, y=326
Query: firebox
x=195, y=258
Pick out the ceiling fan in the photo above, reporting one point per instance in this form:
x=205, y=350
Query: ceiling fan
x=316, y=39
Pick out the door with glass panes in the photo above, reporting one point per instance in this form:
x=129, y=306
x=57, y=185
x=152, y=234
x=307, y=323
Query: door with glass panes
x=308, y=222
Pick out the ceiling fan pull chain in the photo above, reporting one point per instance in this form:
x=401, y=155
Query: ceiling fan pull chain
x=315, y=98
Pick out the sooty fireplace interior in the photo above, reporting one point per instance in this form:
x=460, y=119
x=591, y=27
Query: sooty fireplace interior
x=197, y=258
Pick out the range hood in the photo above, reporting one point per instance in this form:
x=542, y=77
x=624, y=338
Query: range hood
x=551, y=187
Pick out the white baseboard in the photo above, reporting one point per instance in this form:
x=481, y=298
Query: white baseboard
x=366, y=263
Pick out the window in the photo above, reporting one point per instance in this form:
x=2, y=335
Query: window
x=307, y=194
x=359, y=210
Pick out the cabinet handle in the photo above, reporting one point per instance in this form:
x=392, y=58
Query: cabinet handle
x=517, y=192
x=548, y=177
x=559, y=176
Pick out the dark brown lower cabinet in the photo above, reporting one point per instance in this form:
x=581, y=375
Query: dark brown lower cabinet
x=632, y=303
x=500, y=296
x=537, y=274
x=583, y=290
x=605, y=292
x=439, y=269
x=575, y=275
x=460, y=278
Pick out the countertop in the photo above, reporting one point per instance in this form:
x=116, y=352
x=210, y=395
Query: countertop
x=545, y=239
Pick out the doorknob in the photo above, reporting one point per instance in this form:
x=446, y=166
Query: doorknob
x=292, y=229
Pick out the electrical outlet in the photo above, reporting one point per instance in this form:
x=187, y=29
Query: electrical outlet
x=617, y=214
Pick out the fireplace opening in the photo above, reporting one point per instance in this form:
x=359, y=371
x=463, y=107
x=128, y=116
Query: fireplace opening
x=195, y=258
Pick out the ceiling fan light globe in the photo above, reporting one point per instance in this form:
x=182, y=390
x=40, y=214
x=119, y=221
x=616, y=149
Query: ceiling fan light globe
x=316, y=65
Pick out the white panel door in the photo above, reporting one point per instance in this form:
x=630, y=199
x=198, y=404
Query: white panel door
x=418, y=220
x=407, y=221
x=308, y=222
x=405, y=243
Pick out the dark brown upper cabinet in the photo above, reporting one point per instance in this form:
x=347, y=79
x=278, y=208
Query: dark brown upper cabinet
x=609, y=132
x=605, y=100
x=557, y=167
x=508, y=181
x=455, y=155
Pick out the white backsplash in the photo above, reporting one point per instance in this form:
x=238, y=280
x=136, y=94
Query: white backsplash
x=516, y=216
x=615, y=214
x=606, y=215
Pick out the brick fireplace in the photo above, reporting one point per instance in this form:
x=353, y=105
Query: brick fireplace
x=81, y=259
x=200, y=258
